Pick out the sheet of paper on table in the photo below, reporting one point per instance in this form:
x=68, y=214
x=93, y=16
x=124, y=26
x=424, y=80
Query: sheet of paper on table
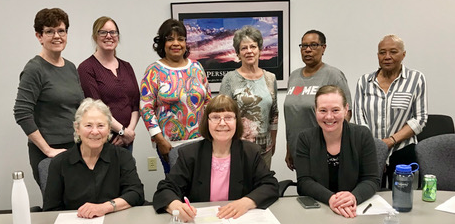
x=207, y=215
x=447, y=206
x=71, y=218
x=378, y=206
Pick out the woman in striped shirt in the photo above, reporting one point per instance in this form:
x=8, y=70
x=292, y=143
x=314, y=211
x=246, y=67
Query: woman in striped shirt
x=392, y=102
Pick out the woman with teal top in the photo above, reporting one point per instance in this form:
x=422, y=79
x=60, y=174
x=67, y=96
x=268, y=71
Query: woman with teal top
x=255, y=90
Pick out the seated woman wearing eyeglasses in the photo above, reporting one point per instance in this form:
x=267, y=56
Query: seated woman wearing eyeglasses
x=112, y=80
x=220, y=167
x=94, y=177
x=336, y=162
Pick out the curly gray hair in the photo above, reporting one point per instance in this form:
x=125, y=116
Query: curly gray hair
x=247, y=32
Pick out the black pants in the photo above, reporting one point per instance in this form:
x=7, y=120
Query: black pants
x=36, y=155
x=406, y=155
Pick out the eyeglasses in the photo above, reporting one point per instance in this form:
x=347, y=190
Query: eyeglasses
x=217, y=119
x=51, y=32
x=103, y=33
x=312, y=46
x=179, y=39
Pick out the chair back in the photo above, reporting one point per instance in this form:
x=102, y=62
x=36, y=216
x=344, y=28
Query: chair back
x=43, y=171
x=436, y=155
x=437, y=124
x=382, y=153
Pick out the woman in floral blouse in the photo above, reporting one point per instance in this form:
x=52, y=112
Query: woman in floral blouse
x=255, y=91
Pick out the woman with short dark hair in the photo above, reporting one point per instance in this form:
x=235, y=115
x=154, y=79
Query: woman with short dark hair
x=174, y=92
x=49, y=91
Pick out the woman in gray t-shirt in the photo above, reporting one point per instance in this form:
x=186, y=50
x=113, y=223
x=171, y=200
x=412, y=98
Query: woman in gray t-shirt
x=302, y=87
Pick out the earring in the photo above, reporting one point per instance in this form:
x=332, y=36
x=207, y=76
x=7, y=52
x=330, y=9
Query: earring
x=109, y=137
x=77, y=138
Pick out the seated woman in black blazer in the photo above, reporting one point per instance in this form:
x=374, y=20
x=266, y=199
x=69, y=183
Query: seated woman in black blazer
x=336, y=162
x=219, y=168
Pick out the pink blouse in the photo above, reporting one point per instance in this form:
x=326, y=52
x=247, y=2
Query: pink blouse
x=219, y=181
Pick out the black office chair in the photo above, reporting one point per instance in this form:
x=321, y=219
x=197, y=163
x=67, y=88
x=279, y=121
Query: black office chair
x=283, y=186
x=382, y=153
x=36, y=209
x=437, y=124
x=32, y=209
x=436, y=155
x=43, y=171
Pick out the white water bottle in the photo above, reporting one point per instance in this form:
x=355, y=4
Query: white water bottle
x=19, y=200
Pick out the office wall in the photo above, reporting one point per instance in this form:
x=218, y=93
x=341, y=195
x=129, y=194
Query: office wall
x=353, y=29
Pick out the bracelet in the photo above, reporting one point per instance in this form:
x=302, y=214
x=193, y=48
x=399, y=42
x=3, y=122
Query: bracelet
x=113, y=204
x=393, y=139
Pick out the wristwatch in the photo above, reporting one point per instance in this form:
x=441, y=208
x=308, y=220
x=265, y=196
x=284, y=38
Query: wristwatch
x=122, y=131
x=113, y=204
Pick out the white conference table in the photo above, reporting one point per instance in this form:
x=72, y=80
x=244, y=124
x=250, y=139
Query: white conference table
x=287, y=210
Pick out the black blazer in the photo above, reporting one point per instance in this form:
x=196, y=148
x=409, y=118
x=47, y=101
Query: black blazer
x=190, y=176
x=358, y=170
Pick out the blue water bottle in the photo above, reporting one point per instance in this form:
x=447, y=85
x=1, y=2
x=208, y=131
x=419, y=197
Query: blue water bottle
x=402, y=187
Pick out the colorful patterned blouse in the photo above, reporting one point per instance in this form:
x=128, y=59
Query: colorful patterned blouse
x=173, y=100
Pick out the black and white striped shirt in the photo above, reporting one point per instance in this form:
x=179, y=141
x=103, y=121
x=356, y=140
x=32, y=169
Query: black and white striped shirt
x=386, y=113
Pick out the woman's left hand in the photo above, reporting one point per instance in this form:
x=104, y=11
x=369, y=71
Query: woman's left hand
x=236, y=208
x=389, y=142
x=348, y=212
x=91, y=210
x=129, y=136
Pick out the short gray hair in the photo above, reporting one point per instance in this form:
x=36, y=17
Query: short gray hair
x=86, y=105
x=395, y=39
x=247, y=32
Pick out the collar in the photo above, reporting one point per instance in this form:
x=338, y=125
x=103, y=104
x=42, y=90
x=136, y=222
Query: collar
x=403, y=74
x=176, y=68
x=74, y=154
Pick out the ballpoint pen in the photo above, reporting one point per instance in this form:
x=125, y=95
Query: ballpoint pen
x=188, y=202
x=366, y=209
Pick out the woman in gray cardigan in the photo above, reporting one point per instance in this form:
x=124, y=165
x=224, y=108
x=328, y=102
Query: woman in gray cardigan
x=336, y=162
